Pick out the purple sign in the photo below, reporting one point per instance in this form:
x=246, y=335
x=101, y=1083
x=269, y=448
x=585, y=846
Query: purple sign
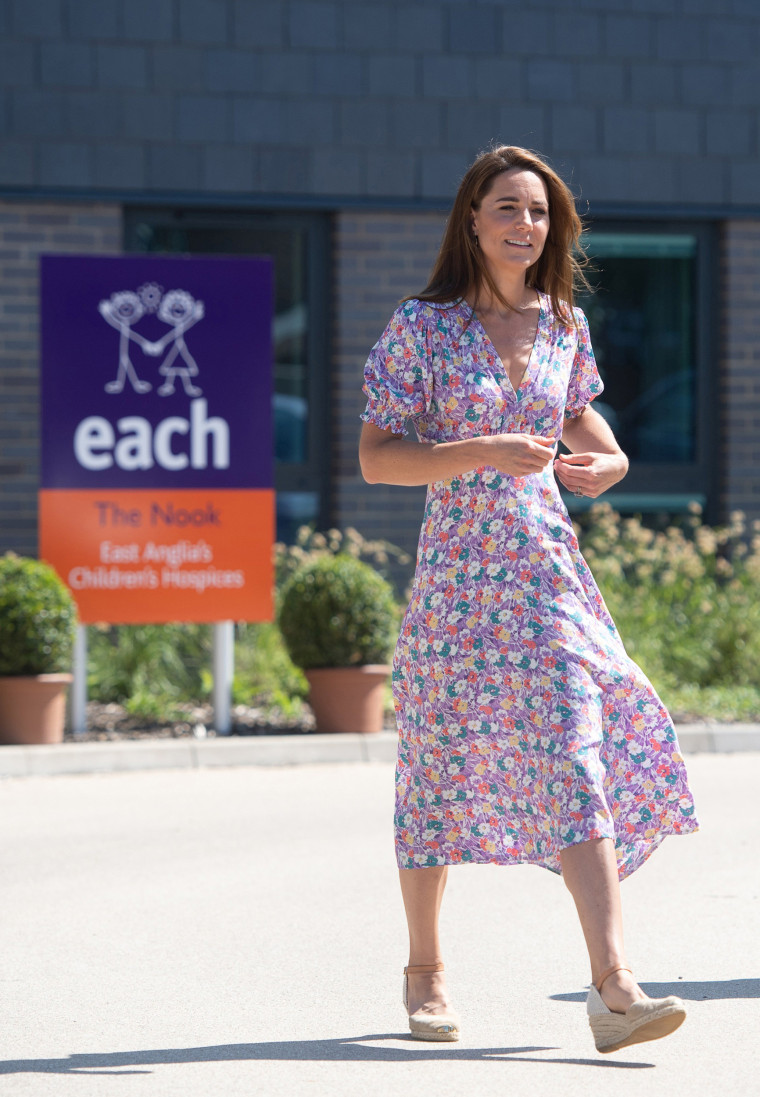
x=157, y=372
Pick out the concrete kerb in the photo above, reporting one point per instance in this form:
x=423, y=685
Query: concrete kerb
x=280, y=750
x=130, y=755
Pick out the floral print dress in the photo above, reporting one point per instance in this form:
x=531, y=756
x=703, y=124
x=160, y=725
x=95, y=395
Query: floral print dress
x=524, y=727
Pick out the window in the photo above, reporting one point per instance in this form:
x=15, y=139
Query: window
x=651, y=333
x=298, y=245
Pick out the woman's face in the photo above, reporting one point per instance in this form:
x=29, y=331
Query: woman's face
x=513, y=220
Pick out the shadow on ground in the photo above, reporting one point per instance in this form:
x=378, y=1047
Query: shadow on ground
x=689, y=991
x=350, y=1049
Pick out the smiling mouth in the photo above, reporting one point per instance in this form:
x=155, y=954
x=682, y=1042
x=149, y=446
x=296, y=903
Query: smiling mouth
x=519, y=243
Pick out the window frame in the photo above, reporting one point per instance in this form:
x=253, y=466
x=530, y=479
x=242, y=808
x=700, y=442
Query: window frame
x=312, y=474
x=699, y=479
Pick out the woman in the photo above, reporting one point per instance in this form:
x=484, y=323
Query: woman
x=526, y=732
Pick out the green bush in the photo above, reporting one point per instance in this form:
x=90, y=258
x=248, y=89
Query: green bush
x=686, y=600
x=37, y=618
x=337, y=611
x=148, y=668
x=265, y=676
x=151, y=669
x=387, y=559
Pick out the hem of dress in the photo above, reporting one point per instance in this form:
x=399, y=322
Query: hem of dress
x=552, y=863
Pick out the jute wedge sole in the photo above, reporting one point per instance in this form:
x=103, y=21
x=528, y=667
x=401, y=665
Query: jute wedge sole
x=425, y=1026
x=649, y=1019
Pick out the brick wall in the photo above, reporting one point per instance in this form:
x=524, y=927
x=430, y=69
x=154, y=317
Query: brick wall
x=27, y=230
x=740, y=369
x=379, y=258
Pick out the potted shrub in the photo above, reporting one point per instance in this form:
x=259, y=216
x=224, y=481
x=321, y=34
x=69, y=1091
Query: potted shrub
x=339, y=619
x=37, y=619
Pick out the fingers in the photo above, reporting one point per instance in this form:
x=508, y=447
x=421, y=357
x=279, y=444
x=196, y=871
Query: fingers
x=573, y=477
x=579, y=480
x=588, y=474
x=540, y=458
x=573, y=470
x=580, y=459
x=546, y=450
x=522, y=454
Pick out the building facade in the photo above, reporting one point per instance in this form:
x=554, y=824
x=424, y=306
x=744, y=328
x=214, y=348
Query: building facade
x=331, y=134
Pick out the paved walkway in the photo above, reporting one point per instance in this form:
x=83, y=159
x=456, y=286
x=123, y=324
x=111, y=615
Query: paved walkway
x=238, y=931
x=282, y=750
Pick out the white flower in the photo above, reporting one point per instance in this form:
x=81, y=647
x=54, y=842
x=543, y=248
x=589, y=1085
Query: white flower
x=150, y=294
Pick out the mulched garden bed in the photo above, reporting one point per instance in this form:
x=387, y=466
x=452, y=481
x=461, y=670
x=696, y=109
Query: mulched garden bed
x=113, y=722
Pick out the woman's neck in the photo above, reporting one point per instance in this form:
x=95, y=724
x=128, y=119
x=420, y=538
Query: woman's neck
x=514, y=291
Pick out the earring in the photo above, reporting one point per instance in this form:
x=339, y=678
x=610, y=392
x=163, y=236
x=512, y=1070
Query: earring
x=477, y=241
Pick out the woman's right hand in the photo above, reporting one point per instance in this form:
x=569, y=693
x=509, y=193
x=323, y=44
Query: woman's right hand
x=517, y=454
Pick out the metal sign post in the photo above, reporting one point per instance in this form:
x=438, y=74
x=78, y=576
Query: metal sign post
x=224, y=670
x=79, y=685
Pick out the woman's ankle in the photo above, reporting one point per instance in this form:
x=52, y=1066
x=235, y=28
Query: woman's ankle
x=425, y=961
x=620, y=990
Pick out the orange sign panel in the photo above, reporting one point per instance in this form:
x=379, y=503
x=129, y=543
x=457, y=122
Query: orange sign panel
x=152, y=555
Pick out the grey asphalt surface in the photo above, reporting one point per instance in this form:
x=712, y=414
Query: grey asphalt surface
x=238, y=930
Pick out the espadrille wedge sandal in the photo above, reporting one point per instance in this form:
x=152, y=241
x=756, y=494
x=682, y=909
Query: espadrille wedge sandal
x=648, y=1019
x=428, y=1026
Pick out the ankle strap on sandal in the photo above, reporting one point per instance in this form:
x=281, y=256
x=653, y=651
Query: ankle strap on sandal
x=422, y=969
x=610, y=971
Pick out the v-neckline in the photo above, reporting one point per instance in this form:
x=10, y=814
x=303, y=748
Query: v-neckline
x=515, y=391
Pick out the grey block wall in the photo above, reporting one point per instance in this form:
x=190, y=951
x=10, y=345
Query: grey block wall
x=379, y=258
x=740, y=368
x=655, y=101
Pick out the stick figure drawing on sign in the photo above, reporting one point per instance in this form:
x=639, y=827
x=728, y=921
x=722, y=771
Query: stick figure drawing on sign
x=181, y=310
x=121, y=311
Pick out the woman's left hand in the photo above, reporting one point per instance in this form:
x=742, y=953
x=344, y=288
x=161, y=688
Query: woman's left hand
x=590, y=474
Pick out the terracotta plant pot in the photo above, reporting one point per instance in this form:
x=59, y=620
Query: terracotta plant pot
x=33, y=709
x=348, y=698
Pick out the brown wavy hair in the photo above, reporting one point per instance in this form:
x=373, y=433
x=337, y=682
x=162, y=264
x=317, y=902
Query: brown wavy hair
x=460, y=269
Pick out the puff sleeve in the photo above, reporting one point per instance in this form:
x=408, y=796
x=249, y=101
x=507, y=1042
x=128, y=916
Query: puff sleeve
x=398, y=377
x=585, y=382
